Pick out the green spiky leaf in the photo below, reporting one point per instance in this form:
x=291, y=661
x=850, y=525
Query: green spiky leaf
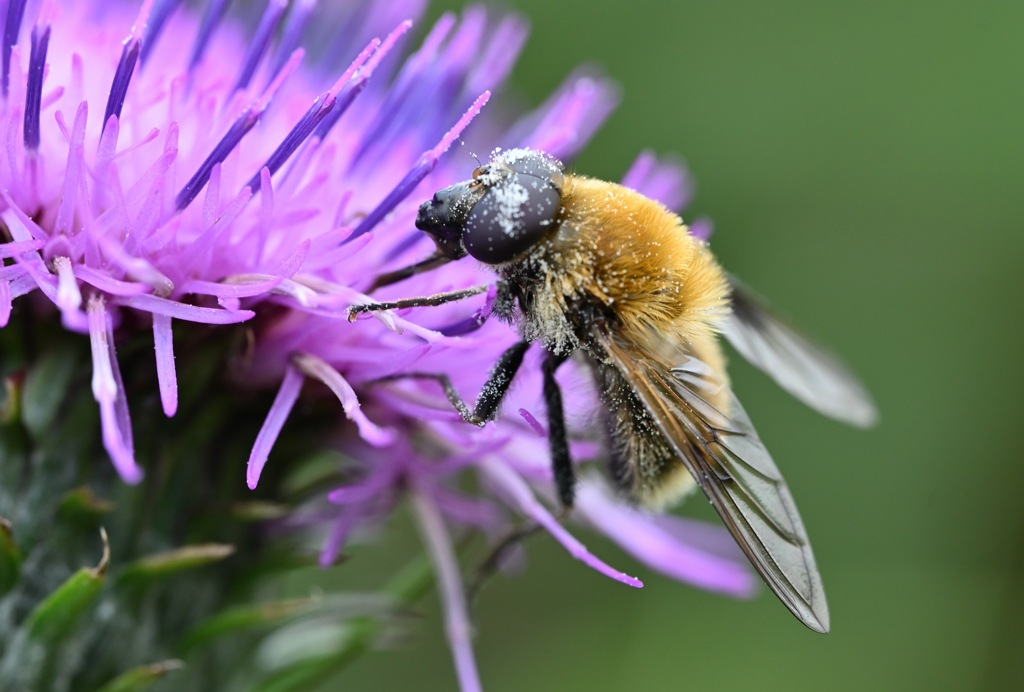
x=245, y=618
x=54, y=618
x=81, y=506
x=10, y=406
x=328, y=647
x=259, y=511
x=46, y=385
x=171, y=562
x=142, y=677
x=10, y=557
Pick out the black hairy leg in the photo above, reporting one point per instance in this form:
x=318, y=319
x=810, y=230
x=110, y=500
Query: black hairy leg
x=561, y=463
x=422, y=301
x=492, y=393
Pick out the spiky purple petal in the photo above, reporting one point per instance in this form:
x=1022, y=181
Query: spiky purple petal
x=225, y=146
x=423, y=166
x=570, y=117
x=162, y=10
x=669, y=183
x=260, y=41
x=5, y=302
x=73, y=171
x=453, y=598
x=500, y=52
x=702, y=228
x=163, y=344
x=18, y=247
x=108, y=394
x=319, y=369
x=108, y=284
x=313, y=117
x=182, y=311
x=666, y=547
x=12, y=25
x=410, y=75
x=34, y=93
x=233, y=287
x=357, y=84
x=212, y=16
x=532, y=421
x=521, y=495
x=123, y=77
x=291, y=34
x=286, y=397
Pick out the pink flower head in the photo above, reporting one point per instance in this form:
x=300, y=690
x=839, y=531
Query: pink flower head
x=161, y=165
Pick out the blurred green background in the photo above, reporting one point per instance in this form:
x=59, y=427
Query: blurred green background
x=861, y=162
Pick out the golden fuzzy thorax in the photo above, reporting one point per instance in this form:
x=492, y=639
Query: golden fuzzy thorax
x=646, y=266
x=633, y=256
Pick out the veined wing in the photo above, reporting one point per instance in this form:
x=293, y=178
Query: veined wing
x=803, y=368
x=728, y=461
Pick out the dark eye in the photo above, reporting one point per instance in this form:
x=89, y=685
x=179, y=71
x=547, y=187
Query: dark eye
x=512, y=216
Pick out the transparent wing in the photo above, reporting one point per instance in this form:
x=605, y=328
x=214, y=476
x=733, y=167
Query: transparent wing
x=800, y=366
x=727, y=459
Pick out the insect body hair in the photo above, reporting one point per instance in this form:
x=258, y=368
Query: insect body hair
x=625, y=261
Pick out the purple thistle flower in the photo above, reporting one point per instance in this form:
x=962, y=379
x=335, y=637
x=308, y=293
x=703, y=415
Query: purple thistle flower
x=232, y=178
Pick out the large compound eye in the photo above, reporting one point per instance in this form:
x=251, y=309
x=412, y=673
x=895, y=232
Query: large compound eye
x=517, y=211
x=512, y=216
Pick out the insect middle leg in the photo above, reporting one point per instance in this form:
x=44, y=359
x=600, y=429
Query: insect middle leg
x=492, y=393
x=561, y=463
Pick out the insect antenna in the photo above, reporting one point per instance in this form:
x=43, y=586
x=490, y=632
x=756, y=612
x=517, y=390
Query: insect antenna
x=393, y=277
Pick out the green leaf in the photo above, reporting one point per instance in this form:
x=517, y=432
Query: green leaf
x=171, y=562
x=259, y=511
x=54, y=618
x=355, y=636
x=138, y=679
x=46, y=387
x=10, y=407
x=315, y=472
x=304, y=674
x=81, y=506
x=244, y=618
x=10, y=557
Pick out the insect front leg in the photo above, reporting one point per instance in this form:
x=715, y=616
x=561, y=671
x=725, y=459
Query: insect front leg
x=436, y=299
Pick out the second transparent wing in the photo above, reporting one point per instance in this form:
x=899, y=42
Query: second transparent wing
x=728, y=461
x=803, y=368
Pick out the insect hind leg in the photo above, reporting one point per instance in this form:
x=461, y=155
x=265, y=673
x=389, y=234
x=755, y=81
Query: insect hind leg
x=496, y=558
x=565, y=480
